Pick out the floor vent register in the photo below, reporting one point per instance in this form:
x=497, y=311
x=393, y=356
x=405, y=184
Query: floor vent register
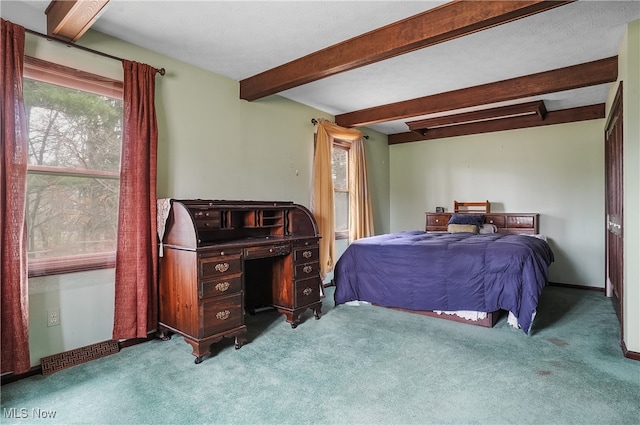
x=58, y=362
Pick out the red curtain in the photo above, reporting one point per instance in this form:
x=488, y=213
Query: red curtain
x=14, y=302
x=136, y=298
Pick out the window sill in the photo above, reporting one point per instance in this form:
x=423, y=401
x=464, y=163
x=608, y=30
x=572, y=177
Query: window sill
x=71, y=264
x=341, y=235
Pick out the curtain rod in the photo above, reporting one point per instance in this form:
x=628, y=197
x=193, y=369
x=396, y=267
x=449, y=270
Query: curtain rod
x=161, y=71
x=315, y=121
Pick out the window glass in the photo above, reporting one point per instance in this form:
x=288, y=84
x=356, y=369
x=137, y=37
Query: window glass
x=340, y=167
x=70, y=215
x=341, y=207
x=74, y=147
x=72, y=128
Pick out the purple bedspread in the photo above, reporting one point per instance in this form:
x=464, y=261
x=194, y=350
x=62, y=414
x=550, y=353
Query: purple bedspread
x=446, y=271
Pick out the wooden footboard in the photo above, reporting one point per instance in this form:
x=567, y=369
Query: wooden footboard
x=488, y=322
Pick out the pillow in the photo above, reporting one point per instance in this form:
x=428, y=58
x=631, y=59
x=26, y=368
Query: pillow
x=475, y=219
x=462, y=228
x=488, y=228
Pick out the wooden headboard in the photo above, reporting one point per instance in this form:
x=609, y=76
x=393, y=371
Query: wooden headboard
x=507, y=223
x=471, y=207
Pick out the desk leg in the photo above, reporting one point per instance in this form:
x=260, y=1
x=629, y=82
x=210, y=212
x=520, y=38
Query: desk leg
x=317, y=310
x=240, y=341
x=201, y=349
x=293, y=316
x=163, y=333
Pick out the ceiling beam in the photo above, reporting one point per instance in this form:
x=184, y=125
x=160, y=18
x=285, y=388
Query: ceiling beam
x=443, y=23
x=70, y=19
x=535, y=108
x=572, y=77
x=582, y=113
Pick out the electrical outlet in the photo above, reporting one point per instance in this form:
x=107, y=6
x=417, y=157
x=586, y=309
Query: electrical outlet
x=53, y=317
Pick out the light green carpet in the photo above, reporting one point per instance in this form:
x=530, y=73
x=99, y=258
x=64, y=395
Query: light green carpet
x=360, y=365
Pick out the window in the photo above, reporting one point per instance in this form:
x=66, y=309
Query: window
x=340, y=168
x=74, y=124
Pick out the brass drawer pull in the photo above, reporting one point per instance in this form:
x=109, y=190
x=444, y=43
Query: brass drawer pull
x=222, y=286
x=307, y=254
x=307, y=269
x=222, y=267
x=223, y=315
x=307, y=291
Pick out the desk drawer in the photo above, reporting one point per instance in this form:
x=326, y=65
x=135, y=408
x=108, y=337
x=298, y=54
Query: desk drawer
x=307, y=291
x=301, y=255
x=213, y=288
x=207, y=224
x=218, y=266
x=307, y=270
x=206, y=214
x=266, y=251
x=221, y=314
x=207, y=219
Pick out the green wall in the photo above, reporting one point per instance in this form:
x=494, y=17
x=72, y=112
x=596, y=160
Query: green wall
x=556, y=171
x=211, y=145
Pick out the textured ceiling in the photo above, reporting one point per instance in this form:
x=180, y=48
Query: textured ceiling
x=239, y=39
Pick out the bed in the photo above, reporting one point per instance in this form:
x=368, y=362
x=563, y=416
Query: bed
x=447, y=273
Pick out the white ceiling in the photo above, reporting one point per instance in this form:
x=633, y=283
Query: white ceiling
x=239, y=39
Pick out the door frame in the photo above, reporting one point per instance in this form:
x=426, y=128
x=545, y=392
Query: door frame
x=614, y=205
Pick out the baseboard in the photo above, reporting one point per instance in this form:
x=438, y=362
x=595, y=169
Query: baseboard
x=569, y=285
x=10, y=377
x=135, y=341
x=633, y=355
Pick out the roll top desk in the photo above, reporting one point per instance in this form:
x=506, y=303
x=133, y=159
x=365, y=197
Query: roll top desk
x=220, y=258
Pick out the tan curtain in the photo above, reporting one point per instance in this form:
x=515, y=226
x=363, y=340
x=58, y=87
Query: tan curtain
x=136, y=297
x=360, y=212
x=322, y=204
x=14, y=302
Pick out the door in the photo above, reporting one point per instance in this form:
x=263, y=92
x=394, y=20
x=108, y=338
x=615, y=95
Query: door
x=613, y=205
